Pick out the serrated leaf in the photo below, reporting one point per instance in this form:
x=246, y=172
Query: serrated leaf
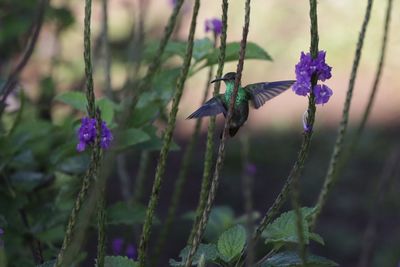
x=231, y=243
x=131, y=137
x=317, y=238
x=144, y=115
x=208, y=251
x=284, y=229
x=124, y=213
x=292, y=259
x=76, y=100
x=253, y=51
x=119, y=261
x=74, y=165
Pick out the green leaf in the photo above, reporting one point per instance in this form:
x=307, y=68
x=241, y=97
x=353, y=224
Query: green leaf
x=155, y=143
x=47, y=264
x=119, y=261
x=173, y=48
x=201, y=48
x=27, y=180
x=74, y=165
x=209, y=252
x=253, y=51
x=231, y=243
x=107, y=108
x=131, y=137
x=124, y=213
x=76, y=100
x=144, y=115
x=284, y=230
x=292, y=259
x=317, y=238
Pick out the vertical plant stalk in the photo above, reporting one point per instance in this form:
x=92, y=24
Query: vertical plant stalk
x=378, y=71
x=141, y=176
x=91, y=172
x=221, y=151
x=167, y=139
x=182, y=175
x=106, y=49
x=12, y=79
x=208, y=158
x=247, y=182
x=156, y=61
x=101, y=225
x=337, y=150
x=390, y=170
x=305, y=146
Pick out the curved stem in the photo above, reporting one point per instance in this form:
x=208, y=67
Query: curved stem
x=305, y=146
x=208, y=158
x=12, y=79
x=221, y=151
x=92, y=171
x=330, y=177
x=180, y=182
x=167, y=140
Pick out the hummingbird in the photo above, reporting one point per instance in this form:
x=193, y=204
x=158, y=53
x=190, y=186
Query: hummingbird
x=255, y=94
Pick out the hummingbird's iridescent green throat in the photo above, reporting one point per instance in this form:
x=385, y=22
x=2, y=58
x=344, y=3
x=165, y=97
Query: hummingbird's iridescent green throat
x=257, y=94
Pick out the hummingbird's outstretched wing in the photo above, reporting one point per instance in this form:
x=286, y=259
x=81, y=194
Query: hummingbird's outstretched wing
x=262, y=92
x=212, y=107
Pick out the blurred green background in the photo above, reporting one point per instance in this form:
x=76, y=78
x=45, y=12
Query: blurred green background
x=281, y=28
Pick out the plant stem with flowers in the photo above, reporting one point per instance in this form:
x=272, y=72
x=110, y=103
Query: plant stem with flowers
x=337, y=150
x=167, y=140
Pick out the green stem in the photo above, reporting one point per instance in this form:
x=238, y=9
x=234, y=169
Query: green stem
x=12, y=79
x=221, y=151
x=180, y=182
x=106, y=47
x=167, y=139
x=92, y=171
x=101, y=226
x=155, y=64
x=330, y=177
x=208, y=158
x=305, y=146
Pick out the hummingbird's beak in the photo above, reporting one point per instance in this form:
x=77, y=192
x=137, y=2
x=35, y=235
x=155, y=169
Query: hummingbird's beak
x=216, y=80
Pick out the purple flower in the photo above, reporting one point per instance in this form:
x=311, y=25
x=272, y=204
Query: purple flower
x=305, y=69
x=131, y=252
x=322, y=94
x=250, y=169
x=301, y=88
x=214, y=25
x=117, y=244
x=323, y=70
x=87, y=134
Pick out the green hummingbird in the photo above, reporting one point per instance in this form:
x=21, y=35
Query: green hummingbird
x=257, y=94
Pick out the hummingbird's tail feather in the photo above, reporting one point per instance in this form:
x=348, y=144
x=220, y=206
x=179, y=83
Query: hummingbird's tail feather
x=233, y=131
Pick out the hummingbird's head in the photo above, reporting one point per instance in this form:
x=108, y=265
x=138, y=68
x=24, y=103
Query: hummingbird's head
x=228, y=77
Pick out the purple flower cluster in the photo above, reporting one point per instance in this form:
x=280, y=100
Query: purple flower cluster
x=130, y=251
x=87, y=134
x=305, y=69
x=213, y=25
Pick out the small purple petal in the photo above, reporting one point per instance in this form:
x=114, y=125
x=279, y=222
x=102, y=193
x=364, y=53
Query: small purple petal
x=80, y=147
x=131, y=252
x=117, y=244
x=1, y=231
x=301, y=88
x=87, y=134
x=251, y=169
x=214, y=25
x=322, y=94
